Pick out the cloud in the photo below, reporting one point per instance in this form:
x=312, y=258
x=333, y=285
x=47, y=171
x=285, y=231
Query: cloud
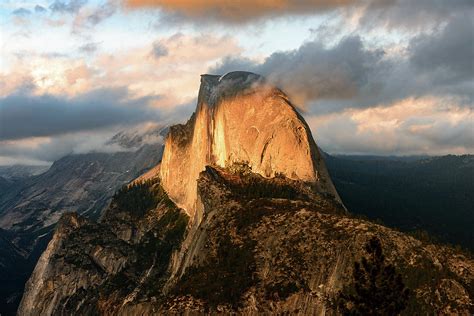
x=137, y=136
x=21, y=12
x=26, y=115
x=409, y=15
x=50, y=73
x=74, y=74
x=405, y=14
x=360, y=63
x=44, y=150
x=351, y=74
x=407, y=127
x=67, y=6
x=47, y=149
x=102, y=12
x=159, y=49
x=132, y=127
x=56, y=113
x=363, y=100
x=91, y=16
x=175, y=75
x=234, y=63
x=89, y=48
x=238, y=11
x=40, y=9
x=447, y=53
x=314, y=71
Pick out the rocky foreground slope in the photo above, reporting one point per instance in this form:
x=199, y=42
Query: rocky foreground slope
x=263, y=246
x=249, y=239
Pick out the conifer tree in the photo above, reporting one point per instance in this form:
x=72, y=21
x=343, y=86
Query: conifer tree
x=376, y=288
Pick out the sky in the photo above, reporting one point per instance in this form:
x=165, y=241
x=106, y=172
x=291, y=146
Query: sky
x=378, y=77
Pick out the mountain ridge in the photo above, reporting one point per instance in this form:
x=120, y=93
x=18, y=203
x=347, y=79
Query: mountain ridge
x=266, y=251
x=30, y=206
x=216, y=233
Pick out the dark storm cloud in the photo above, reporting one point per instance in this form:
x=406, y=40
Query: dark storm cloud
x=314, y=71
x=24, y=115
x=67, y=6
x=349, y=74
x=448, y=52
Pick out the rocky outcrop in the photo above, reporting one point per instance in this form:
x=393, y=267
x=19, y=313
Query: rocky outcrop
x=292, y=253
x=41, y=285
x=243, y=220
x=264, y=246
x=240, y=118
x=91, y=266
x=82, y=183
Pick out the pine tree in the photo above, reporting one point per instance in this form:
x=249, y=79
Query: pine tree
x=376, y=289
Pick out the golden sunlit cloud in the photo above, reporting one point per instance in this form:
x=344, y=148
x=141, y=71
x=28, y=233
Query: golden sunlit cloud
x=239, y=11
x=174, y=76
x=389, y=92
x=428, y=125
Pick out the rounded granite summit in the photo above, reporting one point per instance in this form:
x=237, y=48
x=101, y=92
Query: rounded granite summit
x=240, y=118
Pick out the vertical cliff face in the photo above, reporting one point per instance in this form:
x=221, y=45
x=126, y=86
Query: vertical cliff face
x=240, y=118
x=267, y=233
x=41, y=285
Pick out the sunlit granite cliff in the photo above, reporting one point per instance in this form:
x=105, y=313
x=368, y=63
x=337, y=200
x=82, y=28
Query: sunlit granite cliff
x=240, y=118
x=241, y=217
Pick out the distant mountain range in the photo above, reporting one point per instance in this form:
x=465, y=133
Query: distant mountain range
x=19, y=172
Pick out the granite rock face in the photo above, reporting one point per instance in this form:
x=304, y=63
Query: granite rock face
x=239, y=218
x=263, y=246
x=31, y=205
x=90, y=267
x=280, y=251
x=240, y=118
